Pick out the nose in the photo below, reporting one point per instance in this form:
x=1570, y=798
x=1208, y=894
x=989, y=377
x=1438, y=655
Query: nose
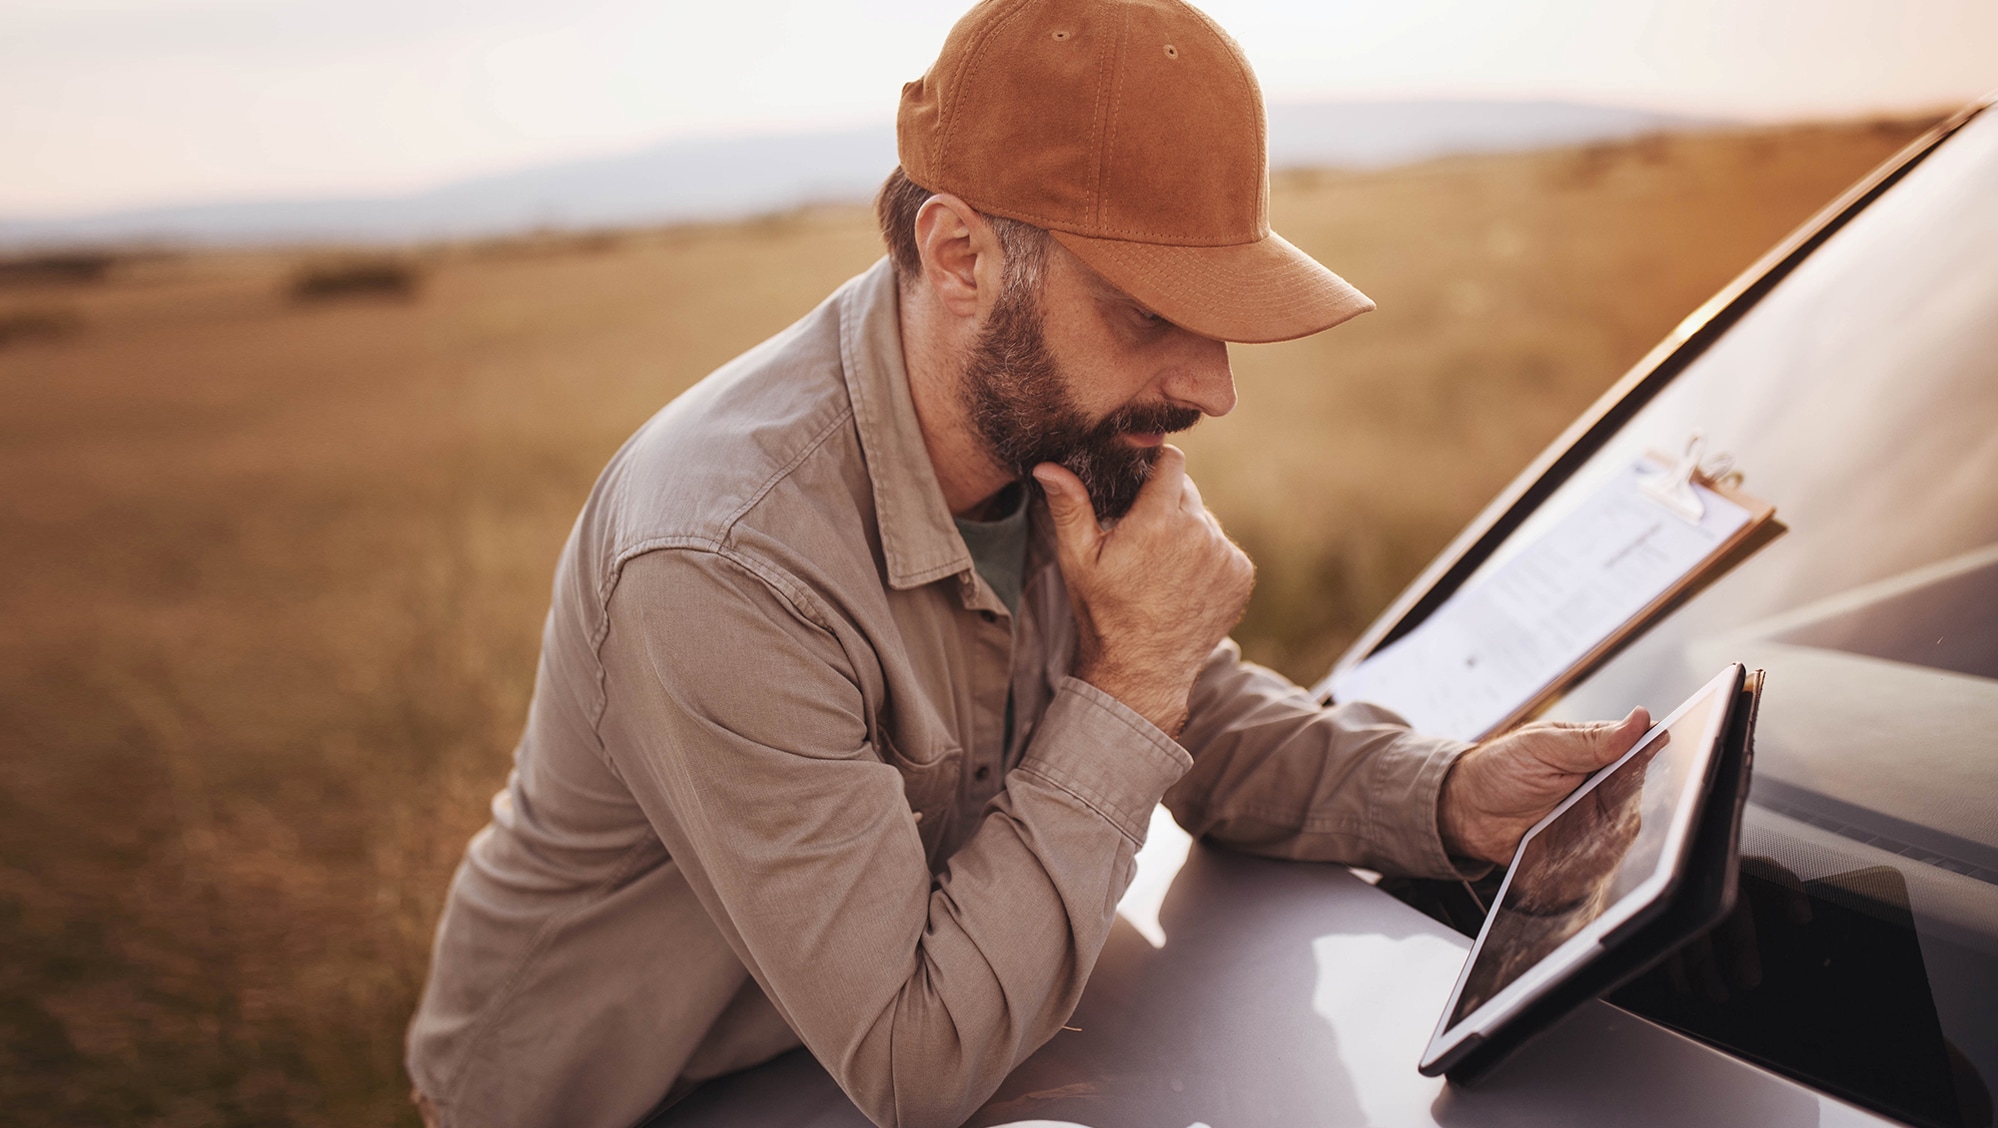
x=1199, y=375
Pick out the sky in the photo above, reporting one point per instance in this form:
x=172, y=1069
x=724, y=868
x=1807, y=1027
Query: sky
x=121, y=103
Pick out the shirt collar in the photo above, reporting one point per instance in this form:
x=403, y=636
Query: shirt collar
x=919, y=542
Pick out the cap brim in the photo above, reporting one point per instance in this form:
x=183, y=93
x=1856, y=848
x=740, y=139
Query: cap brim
x=1249, y=292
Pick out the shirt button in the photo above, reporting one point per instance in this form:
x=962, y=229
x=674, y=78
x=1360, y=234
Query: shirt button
x=982, y=772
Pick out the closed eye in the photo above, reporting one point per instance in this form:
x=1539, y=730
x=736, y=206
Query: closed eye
x=1146, y=327
x=1119, y=305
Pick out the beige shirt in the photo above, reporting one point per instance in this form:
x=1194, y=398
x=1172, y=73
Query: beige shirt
x=761, y=797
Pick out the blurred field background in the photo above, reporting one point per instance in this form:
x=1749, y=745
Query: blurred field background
x=273, y=561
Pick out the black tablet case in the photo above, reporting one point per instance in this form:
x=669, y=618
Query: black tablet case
x=1704, y=896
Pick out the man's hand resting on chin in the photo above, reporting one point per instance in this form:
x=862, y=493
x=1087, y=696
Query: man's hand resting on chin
x=1152, y=596
x=1498, y=790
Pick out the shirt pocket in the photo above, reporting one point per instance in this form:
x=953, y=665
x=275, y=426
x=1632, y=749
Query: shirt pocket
x=931, y=781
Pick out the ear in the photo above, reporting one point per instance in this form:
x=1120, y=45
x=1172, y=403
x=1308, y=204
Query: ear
x=963, y=264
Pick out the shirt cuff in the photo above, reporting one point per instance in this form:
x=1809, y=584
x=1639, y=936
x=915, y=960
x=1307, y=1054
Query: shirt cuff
x=1099, y=750
x=1407, y=789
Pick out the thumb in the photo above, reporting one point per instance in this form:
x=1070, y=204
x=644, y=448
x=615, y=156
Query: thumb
x=1076, y=532
x=1613, y=738
x=1584, y=748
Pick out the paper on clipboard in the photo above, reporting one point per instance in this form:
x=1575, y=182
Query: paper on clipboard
x=1490, y=652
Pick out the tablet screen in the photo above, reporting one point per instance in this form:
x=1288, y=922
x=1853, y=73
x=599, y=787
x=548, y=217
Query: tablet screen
x=1591, y=856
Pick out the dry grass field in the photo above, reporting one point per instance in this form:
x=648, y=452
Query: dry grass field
x=272, y=570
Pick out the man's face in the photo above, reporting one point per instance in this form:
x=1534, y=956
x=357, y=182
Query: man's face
x=1077, y=373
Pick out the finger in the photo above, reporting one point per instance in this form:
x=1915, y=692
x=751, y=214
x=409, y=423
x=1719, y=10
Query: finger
x=1164, y=489
x=1584, y=748
x=1631, y=729
x=1189, y=496
x=1077, y=535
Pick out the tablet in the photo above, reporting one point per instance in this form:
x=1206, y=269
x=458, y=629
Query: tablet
x=1599, y=867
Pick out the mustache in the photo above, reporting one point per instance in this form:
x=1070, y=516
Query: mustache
x=1139, y=419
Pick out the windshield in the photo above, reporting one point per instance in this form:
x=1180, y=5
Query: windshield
x=1860, y=397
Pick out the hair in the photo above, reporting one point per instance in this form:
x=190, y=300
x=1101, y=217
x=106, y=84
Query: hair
x=895, y=206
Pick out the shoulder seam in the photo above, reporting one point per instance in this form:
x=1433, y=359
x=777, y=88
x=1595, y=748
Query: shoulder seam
x=811, y=447
x=780, y=581
x=624, y=554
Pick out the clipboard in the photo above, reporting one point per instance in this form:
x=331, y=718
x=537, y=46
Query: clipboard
x=1760, y=529
x=1703, y=897
x=1497, y=654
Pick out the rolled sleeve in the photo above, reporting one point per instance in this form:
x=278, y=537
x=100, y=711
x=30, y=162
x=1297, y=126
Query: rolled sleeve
x=1278, y=774
x=1405, y=780
x=1099, y=750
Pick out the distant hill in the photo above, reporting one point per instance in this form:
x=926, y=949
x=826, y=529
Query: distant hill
x=729, y=178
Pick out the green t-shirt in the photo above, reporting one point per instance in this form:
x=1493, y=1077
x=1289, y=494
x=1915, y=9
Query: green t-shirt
x=999, y=549
x=999, y=552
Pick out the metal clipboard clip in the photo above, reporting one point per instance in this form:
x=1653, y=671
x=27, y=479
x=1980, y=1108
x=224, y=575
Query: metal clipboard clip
x=1673, y=486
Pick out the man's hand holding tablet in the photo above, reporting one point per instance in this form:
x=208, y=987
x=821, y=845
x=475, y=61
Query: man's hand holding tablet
x=1636, y=861
x=1499, y=789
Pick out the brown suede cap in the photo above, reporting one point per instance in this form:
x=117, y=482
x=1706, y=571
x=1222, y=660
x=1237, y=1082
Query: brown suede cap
x=1133, y=131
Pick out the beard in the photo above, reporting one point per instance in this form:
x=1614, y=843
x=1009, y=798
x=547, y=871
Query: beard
x=1023, y=407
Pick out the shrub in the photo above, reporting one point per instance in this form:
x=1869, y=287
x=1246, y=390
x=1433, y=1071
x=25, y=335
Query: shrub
x=369, y=278
x=81, y=268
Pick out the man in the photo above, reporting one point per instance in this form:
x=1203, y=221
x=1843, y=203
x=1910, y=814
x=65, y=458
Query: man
x=870, y=655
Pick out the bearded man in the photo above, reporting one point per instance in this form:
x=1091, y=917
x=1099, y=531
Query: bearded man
x=871, y=655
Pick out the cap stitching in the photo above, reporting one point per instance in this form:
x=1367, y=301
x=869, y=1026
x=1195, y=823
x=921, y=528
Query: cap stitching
x=976, y=51
x=947, y=105
x=1106, y=48
x=1233, y=51
x=1109, y=135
